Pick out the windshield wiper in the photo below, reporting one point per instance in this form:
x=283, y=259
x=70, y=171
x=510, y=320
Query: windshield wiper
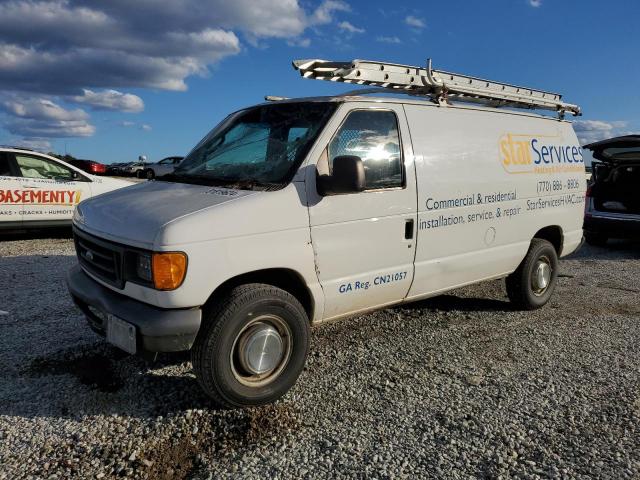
x=244, y=184
x=190, y=179
x=251, y=184
x=233, y=183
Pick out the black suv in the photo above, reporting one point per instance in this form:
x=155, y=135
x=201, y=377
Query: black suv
x=612, y=207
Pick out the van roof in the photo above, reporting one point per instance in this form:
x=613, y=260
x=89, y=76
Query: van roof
x=406, y=100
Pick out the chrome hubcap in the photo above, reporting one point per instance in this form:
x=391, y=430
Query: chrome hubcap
x=541, y=276
x=261, y=351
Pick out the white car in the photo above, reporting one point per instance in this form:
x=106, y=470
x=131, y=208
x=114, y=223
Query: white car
x=37, y=190
x=158, y=169
x=134, y=168
x=302, y=211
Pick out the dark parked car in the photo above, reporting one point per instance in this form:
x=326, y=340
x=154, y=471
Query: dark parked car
x=90, y=166
x=612, y=208
x=115, y=168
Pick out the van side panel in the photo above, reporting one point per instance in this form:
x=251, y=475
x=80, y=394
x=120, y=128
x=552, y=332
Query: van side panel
x=487, y=182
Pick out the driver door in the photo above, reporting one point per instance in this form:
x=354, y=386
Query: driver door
x=51, y=189
x=364, y=242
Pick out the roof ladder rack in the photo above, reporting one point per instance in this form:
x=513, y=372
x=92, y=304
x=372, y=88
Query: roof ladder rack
x=440, y=85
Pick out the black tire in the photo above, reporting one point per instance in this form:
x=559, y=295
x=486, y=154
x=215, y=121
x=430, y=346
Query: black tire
x=595, y=239
x=520, y=284
x=139, y=174
x=214, y=354
x=150, y=174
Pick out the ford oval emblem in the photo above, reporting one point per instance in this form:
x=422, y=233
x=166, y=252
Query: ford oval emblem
x=89, y=255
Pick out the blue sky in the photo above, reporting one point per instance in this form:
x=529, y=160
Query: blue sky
x=111, y=83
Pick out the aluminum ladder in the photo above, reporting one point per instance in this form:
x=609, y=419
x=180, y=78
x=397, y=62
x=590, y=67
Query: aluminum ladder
x=440, y=85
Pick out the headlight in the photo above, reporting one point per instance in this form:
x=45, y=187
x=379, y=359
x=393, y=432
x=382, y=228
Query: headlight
x=143, y=267
x=78, y=217
x=169, y=270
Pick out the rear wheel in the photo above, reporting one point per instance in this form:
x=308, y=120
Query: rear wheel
x=595, y=239
x=534, y=281
x=252, y=346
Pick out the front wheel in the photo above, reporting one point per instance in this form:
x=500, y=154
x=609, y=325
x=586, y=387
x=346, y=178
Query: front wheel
x=534, y=281
x=150, y=174
x=252, y=346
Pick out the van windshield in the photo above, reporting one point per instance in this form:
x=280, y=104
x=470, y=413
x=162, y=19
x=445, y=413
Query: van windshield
x=260, y=147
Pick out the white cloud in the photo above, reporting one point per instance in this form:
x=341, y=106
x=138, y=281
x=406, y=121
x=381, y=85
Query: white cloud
x=414, y=22
x=28, y=69
x=38, y=144
x=28, y=127
x=140, y=126
x=110, y=100
x=393, y=40
x=596, y=125
x=299, y=42
x=589, y=131
x=348, y=27
x=65, y=46
x=324, y=13
x=535, y=3
x=41, y=109
x=42, y=118
x=88, y=51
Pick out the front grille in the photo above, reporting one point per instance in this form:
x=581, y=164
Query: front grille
x=100, y=258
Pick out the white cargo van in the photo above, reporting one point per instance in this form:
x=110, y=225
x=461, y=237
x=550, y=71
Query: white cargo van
x=296, y=212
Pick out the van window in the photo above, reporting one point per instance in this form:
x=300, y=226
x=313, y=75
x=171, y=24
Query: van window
x=373, y=136
x=296, y=133
x=5, y=168
x=34, y=167
x=260, y=147
x=245, y=143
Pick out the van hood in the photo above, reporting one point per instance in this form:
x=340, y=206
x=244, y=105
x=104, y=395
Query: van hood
x=617, y=149
x=135, y=215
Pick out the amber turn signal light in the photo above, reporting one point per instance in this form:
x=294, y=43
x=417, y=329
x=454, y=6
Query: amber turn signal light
x=169, y=270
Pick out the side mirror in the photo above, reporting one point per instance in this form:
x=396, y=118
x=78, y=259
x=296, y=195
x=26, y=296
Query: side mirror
x=347, y=176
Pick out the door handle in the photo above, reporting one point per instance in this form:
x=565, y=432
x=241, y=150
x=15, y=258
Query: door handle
x=408, y=229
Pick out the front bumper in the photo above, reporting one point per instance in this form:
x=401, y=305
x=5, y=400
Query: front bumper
x=612, y=227
x=157, y=329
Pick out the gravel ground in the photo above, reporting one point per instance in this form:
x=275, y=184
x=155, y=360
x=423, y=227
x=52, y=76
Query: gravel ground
x=458, y=386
